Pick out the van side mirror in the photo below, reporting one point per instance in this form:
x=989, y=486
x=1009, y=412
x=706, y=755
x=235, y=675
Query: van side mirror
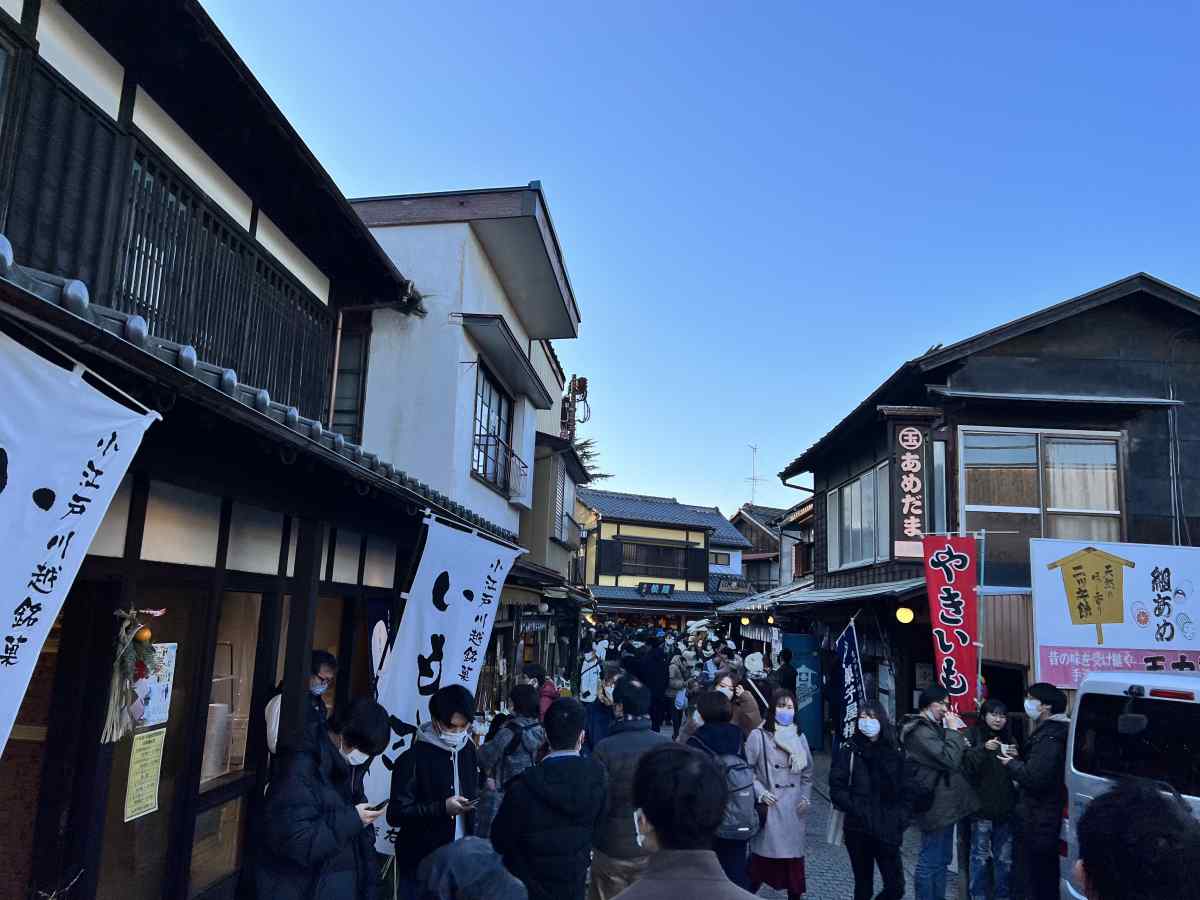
x=1131, y=724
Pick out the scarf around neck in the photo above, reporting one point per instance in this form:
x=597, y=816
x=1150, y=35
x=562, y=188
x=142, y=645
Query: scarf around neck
x=788, y=740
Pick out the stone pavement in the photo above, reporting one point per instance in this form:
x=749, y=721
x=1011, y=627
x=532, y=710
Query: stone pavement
x=828, y=867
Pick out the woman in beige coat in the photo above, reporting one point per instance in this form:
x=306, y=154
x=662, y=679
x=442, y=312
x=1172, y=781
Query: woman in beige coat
x=783, y=779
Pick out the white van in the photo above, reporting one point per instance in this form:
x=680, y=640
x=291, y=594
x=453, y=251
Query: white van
x=1129, y=725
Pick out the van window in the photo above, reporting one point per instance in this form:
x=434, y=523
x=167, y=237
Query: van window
x=1168, y=750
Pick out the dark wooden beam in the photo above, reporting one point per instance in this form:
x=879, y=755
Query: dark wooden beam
x=301, y=616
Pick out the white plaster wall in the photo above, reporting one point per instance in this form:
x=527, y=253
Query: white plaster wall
x=255, y=537
x=64, y=44
x=12, y=7
x=735, y=562
x=277, y=243
x=482, y=292
x=548, y=420
x=181, y=526
x=185, y=153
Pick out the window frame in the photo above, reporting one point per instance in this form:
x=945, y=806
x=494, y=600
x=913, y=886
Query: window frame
x=1042, y=510
x=881, y=531
x=352, y=328
x=642, y=568
x=503, y=474
x=714, y=558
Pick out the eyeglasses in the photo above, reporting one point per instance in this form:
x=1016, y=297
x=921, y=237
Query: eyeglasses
x=326, y=680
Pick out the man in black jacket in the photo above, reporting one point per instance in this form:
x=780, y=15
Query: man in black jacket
x=619, y=858
x=317, y=839
x=1041, y=779
x=546, y=824
x=786, y=673
x=435, y=785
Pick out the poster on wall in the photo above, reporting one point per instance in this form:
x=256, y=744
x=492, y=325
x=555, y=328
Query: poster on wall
x=145, y=768
x=1114, y=607
x=154, y=691
x=64, y=448
x=951, y=582
x=442, y=639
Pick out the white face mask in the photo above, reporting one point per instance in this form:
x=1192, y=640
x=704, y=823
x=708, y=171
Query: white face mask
x=637, y=829
x=455, y=740
x=354, y=757
x=697, y=718
x=318, y=689
x=1033, y=708
x=869, y=727
x=727, y=691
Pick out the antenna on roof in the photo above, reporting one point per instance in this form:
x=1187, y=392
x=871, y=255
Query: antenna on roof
x=754, y=479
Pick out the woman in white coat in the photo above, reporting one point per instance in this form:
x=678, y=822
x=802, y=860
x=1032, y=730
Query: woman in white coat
x=783, y=779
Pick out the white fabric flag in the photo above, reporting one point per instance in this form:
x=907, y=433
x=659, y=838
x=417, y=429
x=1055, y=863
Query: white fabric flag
x=442, y=639
x=64, y=448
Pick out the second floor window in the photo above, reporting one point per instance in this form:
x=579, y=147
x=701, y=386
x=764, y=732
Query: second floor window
x=857, y=520
x=350, y=387
x=718, y=559
x=647, y=559
x=491, y=457
x=1018, y=485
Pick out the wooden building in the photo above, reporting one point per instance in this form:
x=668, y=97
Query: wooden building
x=1077, y=421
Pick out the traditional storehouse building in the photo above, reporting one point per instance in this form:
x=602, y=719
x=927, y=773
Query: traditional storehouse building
x=760, y=564
x=1074, y=422
x=656, y=559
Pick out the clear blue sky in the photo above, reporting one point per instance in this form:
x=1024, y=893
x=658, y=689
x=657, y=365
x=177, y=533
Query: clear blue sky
x=764, y=213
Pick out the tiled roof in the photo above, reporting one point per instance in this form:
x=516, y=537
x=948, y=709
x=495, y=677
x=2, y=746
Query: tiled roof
x=663, y=511
x=71, y=296
x=763, y=515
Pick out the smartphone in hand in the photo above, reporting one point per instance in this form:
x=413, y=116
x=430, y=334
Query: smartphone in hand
x=378, y=806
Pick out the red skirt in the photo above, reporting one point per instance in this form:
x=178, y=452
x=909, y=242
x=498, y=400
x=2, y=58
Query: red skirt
x=781, y=874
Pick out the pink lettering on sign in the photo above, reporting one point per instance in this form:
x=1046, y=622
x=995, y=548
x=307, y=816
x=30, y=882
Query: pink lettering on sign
x=1066, y=667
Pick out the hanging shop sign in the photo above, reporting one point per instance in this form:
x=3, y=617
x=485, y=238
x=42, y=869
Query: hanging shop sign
x=64, y=448
x=145, y=770
x=853, y=688
x=442, y=639
x=1114, y=607
x=951, y=581
x=908, y=518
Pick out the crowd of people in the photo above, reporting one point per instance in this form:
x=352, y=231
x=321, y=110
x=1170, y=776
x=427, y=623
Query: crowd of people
x=680, y=767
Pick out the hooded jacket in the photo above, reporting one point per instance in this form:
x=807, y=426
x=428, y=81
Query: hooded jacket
x=939, y=752
x=1041, y=777
x=619, y=753
x=547, y=823
x=422, y=781
x=720, y=738
x=867, y=784
x=314, y=846
x=989, y=777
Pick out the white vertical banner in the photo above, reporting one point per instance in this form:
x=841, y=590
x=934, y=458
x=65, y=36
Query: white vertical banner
x=442, y=638
x=64, y=448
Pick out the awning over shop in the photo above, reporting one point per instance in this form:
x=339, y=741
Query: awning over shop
x=627, y=599
x=802, y=595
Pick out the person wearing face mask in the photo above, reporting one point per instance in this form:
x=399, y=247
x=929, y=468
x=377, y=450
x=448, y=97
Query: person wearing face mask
x=324, y=668
x=941, y=794
x=680, y=796
x=619, y=859
x=434, y=784
x=867, y=784
x=783, y=779
x=992, y=828
x=746, y=714
x=317, y=835
x=1041, y=781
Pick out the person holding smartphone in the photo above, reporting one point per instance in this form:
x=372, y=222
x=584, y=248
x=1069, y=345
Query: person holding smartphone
x=435, y=785
x=318, y=839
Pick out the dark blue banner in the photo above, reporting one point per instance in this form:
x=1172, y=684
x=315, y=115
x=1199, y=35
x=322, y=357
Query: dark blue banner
x=850, y=678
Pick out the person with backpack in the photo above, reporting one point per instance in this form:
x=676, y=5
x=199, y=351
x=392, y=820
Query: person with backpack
x=678, y=675
x=992, y=828
x=513, y=750
x=783, y=780
x=867, y=784
x=1041, y=780
x=719, y=738
x=941, y=796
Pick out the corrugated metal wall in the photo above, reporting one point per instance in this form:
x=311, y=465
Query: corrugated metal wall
x=1008, y=629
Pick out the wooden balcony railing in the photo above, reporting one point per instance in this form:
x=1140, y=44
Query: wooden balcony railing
x=198, y=279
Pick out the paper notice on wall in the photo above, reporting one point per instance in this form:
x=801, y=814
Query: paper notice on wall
x=155, y=690
x=441, y=640
x=64, y=448
x=145, y=767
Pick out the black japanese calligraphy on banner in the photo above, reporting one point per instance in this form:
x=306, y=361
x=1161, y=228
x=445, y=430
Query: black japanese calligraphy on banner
x=64, y=448
x=910, y=489
x=853, y=693
x=442, y=638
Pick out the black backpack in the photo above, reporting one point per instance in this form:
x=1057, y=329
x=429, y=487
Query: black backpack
x=740, y=822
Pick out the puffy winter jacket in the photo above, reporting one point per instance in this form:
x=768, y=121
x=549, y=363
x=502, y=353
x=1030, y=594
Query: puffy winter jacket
x=871, y=791
x=1040, y=775
x=989, y=777
x=678, y=675
x=939, y=751
x=629, y=740
x=547, y=823
x=313, y=844
x=502, y=761
x=422, y=781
